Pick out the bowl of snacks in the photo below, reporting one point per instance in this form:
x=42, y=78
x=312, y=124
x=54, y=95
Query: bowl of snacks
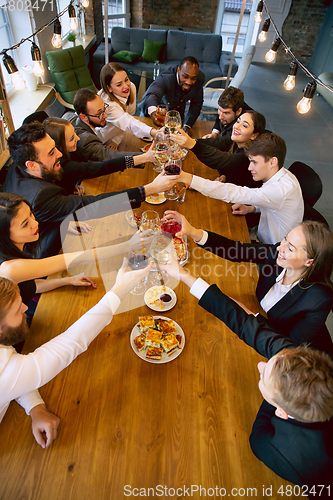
x=134, y=217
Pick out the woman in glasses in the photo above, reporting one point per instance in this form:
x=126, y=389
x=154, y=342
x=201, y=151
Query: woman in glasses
x=119, y=93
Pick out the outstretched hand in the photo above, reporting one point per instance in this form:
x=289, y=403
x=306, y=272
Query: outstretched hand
x=183, y=139
x=44, y=425
x=176, y=216
x=127, y=279
x=82, y=280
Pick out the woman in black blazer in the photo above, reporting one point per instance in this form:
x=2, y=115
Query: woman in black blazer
x=298, y=305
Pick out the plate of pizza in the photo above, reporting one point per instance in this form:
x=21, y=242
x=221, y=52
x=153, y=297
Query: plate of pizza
x=157, y=339
x=180, y=248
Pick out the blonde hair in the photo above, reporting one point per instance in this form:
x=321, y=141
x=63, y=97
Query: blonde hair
x=107, y=73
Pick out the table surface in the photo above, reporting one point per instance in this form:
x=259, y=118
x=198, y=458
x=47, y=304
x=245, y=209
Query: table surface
x=127, y=423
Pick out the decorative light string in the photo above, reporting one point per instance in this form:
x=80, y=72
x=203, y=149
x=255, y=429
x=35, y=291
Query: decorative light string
x=9, y=63
x=304, y=104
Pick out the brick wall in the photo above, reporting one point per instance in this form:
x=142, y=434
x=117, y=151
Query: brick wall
x=301, y=29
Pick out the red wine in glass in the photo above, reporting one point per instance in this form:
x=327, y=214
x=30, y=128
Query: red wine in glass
x=173, y=227
x=172, y=169
x=138, y=261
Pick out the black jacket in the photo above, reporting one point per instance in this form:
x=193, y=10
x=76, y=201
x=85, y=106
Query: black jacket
x=165, y=89
x=53, y=202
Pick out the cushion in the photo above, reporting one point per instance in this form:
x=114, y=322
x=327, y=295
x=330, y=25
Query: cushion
x=126, y=56
x=152, y=50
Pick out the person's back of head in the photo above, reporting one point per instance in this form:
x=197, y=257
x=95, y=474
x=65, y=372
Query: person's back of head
x=232, y=98
x=303, y=381
x=319, y=248
x=21, y=143
x=268, y=145
x=81, y=98
x=56, y=128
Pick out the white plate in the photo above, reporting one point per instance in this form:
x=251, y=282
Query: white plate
x=165, y=358
x=158, y=202
x=166, y=305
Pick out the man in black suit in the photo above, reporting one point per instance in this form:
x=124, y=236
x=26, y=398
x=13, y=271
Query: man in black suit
x=38, y=175
x=293, y=430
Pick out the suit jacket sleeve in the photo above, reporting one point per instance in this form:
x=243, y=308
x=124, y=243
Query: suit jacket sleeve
x=257, y=335
x=196, y=102
x=75, y=171
x=223, y=161
x=91, y=147
x=155, y=92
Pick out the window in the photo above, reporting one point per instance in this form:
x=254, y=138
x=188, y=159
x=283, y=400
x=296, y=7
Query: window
x=118, y=14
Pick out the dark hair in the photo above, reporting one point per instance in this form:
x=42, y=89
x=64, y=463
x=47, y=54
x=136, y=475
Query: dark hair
x=319, y=247
x=107, y=73
x=232, y=98
x=81, y=98
x=268, y=145
x=9, y=206
x=189, y=59
x=55, y=127
x=20, y=143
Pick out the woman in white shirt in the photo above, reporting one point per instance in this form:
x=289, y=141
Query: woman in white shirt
x=294, y=286
x=119, y=93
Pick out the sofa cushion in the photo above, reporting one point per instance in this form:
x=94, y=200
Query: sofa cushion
x=126, y=56
x=204, y=47
x=152, y=50
x=133, y=39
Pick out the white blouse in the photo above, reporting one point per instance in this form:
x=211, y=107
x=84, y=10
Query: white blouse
x=118, y=121
x=276, y=293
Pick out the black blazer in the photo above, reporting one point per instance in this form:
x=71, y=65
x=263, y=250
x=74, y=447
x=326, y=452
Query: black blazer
x=53, y=202
x=301, y=313
x=298, y=452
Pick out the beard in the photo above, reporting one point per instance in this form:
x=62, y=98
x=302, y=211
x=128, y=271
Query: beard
x=12, y=336
x=100, y=124
x=51, y=175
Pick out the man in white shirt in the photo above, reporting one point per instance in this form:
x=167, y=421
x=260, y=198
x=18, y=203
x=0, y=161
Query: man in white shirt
x=279, y=201
x=21, y=375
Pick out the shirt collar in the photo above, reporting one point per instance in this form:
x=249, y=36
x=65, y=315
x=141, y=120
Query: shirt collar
x=280, y=278
x=276, y=176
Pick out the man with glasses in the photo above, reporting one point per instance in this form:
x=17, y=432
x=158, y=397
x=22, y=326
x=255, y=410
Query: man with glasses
x=90, y=113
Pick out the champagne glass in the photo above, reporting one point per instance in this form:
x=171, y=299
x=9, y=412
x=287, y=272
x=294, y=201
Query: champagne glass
x=161, y=111
x=138, y=259
x=162, y=150
x=160, y=251
x=173, y=167
x=171, y=226
x=172, y=121
x=150, y=222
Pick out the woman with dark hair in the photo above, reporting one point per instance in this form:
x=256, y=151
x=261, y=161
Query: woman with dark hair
x=294, y=287
x=63, y=134
x=119, y=93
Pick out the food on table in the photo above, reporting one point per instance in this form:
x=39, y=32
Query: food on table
x=157, y=339
x=154, y=295
x=140, y=342
x=156, y=198
x=179, y=248
x=167, y=326
x=146, y=322
x=154, y=352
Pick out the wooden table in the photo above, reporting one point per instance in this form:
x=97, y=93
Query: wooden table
x=126, y=422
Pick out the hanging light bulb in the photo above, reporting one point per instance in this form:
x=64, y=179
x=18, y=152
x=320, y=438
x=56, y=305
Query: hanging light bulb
x=37, y=65
x=56, y=39
x=72, y=18
x=304, y=105
x=85, y=3
x=263, y=33
x=271, y=54
x=258, y=14
x=289, y=83
x=15, y=77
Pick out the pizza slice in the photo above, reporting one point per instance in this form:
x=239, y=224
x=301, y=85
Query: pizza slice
x=169, y=343
x=154, y=352
x=146, y=322
x=140, y=342
x=153, y=338
x=167, y=326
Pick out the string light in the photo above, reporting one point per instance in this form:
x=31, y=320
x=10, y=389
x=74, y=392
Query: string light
x=271, y=54
x=85, y=3
x=15, y=77
x=258, y=14
x=263, y=33
x=304, y=105
x=37, y=65
x=72, y=18
x=290, y=81
x=56, y=39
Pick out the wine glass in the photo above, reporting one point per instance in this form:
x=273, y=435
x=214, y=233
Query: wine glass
x=171, y=226
x=173, y=167
x=162, y=150
x=172, y=121
x=161, y=111
x=138, y=259
x=150, y=222
x=160, y=251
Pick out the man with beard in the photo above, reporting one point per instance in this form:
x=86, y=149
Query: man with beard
x=174, y=87
x=48, y=183
x=21, y=375
x=90, y=113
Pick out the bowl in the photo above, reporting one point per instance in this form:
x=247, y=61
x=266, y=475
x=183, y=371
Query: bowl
x=134, y=217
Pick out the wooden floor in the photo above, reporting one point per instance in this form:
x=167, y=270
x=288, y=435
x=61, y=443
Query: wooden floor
x=126, y=423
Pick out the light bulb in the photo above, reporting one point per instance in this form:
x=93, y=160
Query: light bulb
x=56, y=41
x=85, y=3
x=270, y=55
x=262, y=36
x=17, y=81
x=38, y=68
x=257, y=17
x=73, y=23
x=289, y=83
x=304, y=105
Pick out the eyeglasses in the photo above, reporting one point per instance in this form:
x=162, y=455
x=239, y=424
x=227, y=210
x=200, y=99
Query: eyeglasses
x=101, y=114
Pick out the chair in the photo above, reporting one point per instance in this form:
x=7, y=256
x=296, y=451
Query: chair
x=311, y=213
x=211, y=95
x=70, y=73
x=309, y=180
